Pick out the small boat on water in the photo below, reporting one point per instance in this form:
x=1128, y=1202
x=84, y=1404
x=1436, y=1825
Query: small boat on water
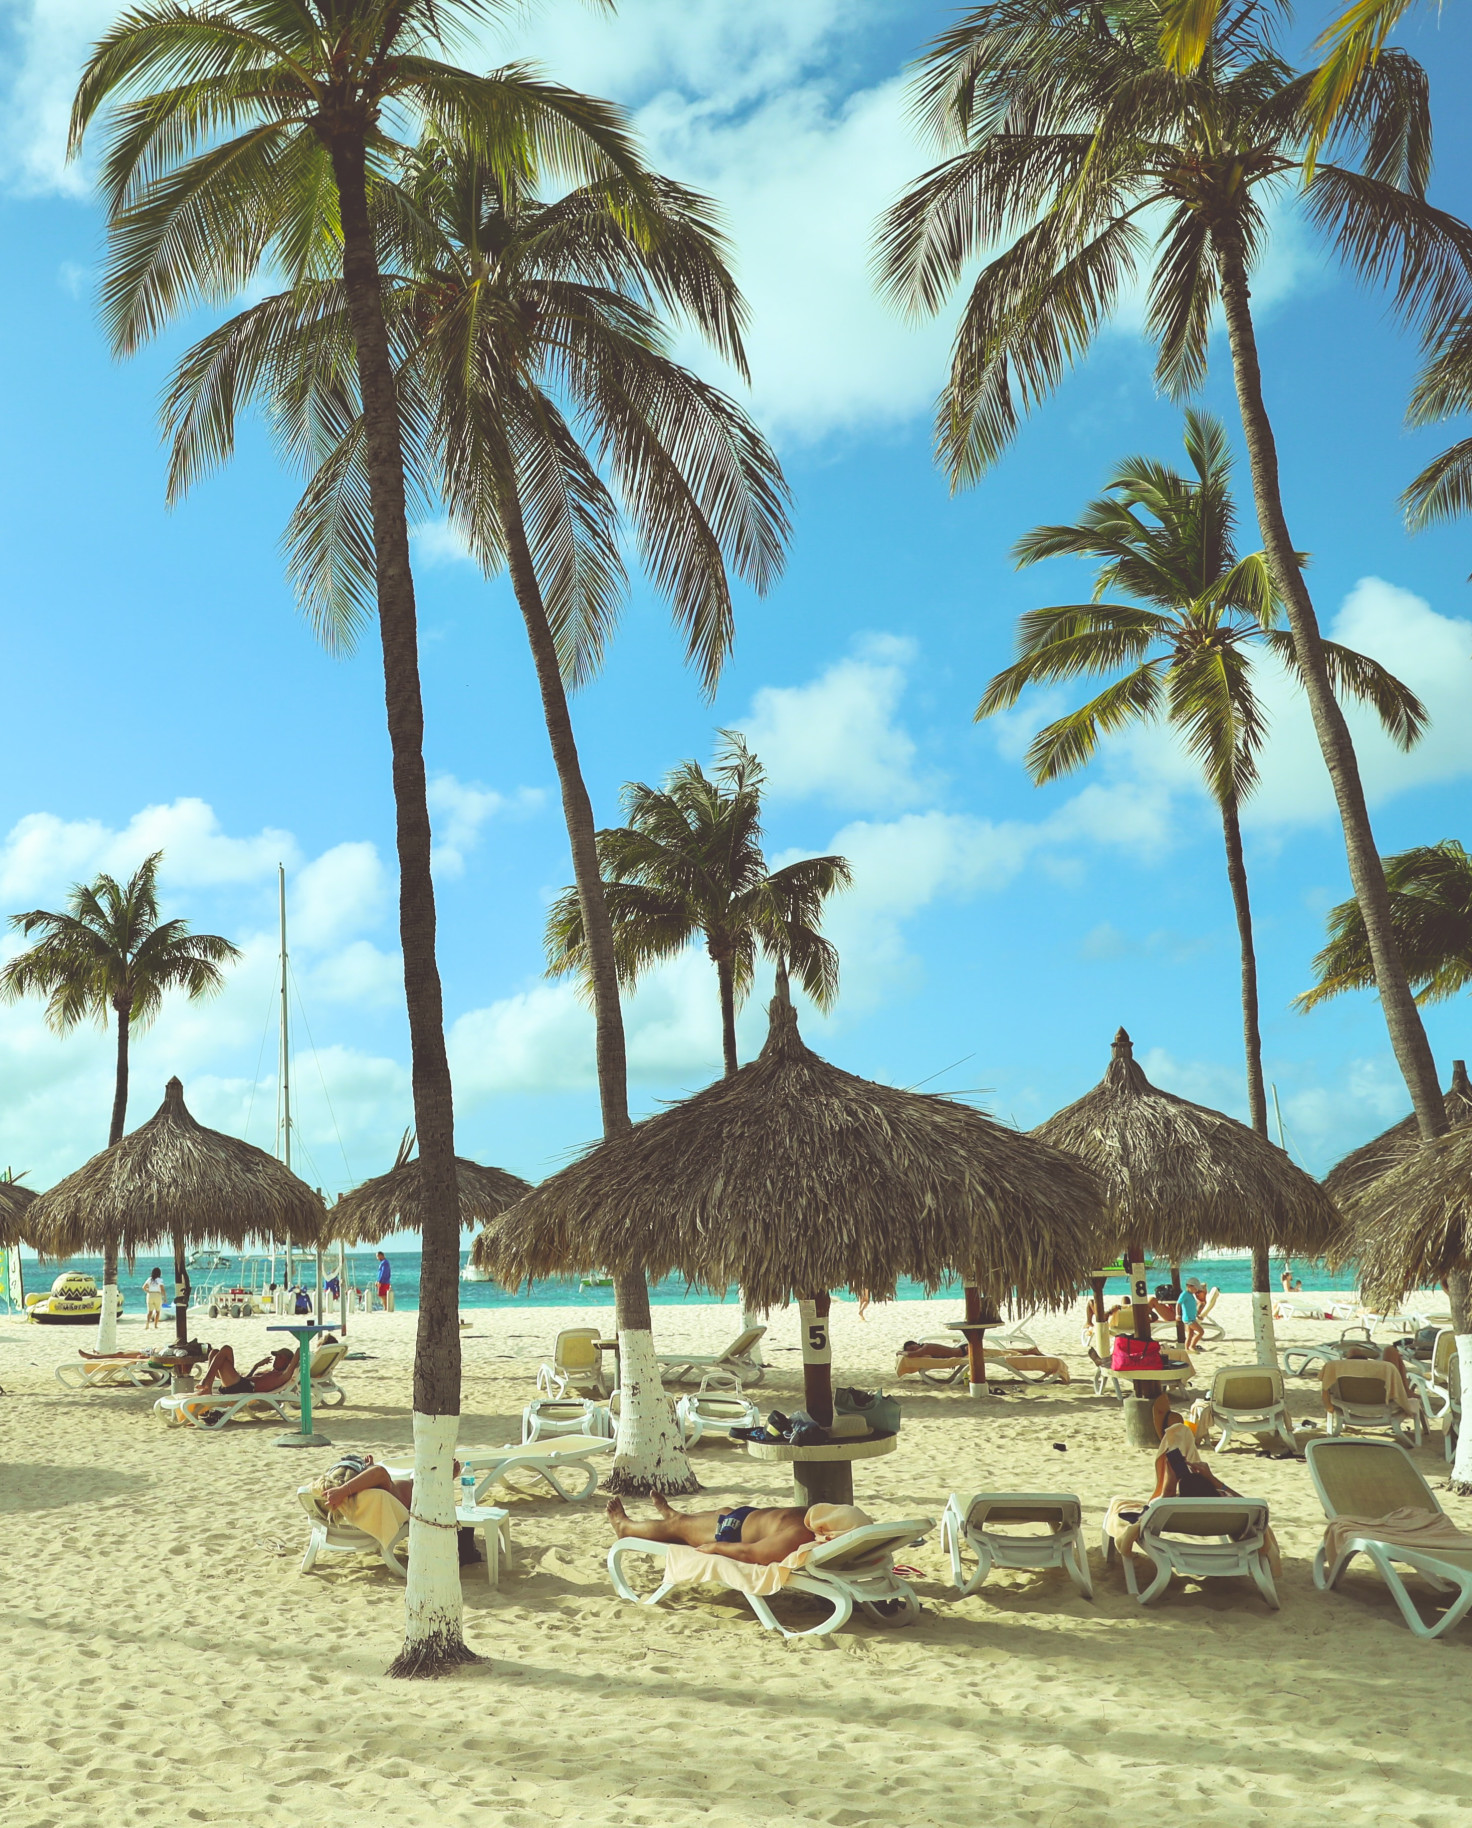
x=471, y=1274
x=74, y=1301
x=209, y=1259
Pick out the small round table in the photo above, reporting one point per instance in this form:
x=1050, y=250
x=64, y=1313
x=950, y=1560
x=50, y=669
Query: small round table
x=303, y=1436
x=824, y=1475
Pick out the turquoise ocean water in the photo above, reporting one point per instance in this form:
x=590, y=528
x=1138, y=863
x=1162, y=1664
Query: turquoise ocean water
x=1231, y=1274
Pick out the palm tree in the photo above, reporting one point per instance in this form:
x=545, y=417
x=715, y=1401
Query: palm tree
x=542, y=407
x=1181, y=650
x=1086, y=157
x=690, y=862
x=251, y=134
x=109, y=951
x=1431, y=910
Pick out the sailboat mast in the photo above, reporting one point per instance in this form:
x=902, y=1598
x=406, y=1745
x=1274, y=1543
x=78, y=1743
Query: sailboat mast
x=285, y=1033
x=1278, y=1113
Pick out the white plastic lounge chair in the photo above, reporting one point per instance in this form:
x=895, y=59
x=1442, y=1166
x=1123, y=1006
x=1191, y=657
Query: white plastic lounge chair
x=1373, y=1479
x=212, y=1409
x=1200, y=1539
x=547, y=1461
x=327, y=1393
x=1357, y=1404
x=1309, y=1361
x=577, y=1365
x=735, y=1365
x=332, y=1534
x=977, y=1523
x=126, y=1371
x=855, y=1569
x=548, y=1418
x=709, y=1412
x=1248, y=1399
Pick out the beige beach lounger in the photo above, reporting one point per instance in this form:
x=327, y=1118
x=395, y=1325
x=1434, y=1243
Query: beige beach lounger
x=978, y=1523
x=855, y=1569
x=127, y=1371
x=708, y=1412
x=1367, y=1396
x=547, y=1461
x=1248, y=1399
x=1200, y=1539
x=1372, y=1492
x=332, y=1534
x=212, y=1409
x=577, y=1365
x=1212, y=1328
x=735, y=1365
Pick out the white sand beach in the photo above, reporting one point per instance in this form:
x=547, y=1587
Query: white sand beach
x=167, y=1661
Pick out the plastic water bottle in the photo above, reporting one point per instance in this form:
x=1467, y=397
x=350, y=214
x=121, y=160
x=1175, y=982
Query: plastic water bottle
x=467, y=1490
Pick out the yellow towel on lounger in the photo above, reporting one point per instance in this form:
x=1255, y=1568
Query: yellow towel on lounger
x=376, y=1513
x=1372, y=1370
x=694, y=1567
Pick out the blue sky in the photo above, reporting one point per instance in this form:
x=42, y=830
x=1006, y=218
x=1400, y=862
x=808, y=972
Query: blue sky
x=163, y=692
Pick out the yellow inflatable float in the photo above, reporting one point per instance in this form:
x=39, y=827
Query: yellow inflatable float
x=73, y=1302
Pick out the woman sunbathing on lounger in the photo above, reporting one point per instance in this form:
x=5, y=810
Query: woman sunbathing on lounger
x=744, y=1533
x=266, y=1374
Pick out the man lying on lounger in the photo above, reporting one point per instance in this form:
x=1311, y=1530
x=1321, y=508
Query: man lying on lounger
x=266, y=1374
x=744, y=1533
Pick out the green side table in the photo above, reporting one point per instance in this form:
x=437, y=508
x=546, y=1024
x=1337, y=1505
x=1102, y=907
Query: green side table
x=303, y=1436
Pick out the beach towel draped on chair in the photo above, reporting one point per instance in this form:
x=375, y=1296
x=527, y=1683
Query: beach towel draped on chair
x=1369, y=1396
x=1198, y=1538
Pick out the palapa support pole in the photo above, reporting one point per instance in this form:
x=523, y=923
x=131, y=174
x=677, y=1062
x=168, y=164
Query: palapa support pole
x=1139, y=1411
x=342, y=1287
x=178, y=1381
x=819, y=1481
x=1098, y=1283
x=975, y=1343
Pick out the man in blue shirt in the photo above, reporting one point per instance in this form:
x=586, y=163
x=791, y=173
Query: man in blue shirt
x=385, y=1275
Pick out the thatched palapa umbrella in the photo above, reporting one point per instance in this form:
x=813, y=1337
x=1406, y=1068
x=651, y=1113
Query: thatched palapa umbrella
x=791, y=1178
x=1178, y=1176
x=14, y=1199
x=390, y=1202
x=1362, y=1167
x=172, y=1181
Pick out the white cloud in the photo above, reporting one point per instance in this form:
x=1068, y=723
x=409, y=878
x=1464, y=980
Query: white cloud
x=41, y=849
x=460, y=808
x=837, y=738
x=436, y=542
x=49, y=41
x=342, y=892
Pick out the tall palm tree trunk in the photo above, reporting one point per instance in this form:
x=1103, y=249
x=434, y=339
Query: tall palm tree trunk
x=650, y=1456
x=1263, y=1338
x=1402, y=1018
x=107, y=1319
x=433, y=1638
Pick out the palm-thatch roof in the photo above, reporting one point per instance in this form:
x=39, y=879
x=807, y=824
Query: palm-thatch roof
x=1362, y=1167
x=14, y=1199
x=390, y=1202
x=792, y=1177
x=1178, y=1176
x=172, y=1178
x=1412, y=1227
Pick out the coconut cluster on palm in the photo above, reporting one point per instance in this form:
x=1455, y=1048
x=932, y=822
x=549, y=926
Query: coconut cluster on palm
x=792, y=1177
x=173, y=1181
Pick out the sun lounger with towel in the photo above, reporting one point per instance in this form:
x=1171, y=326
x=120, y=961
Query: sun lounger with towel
x=733, y=1366
x=1035, y=1366
x=1379, y=1506
x=373, y=1520
x=1198, y=1538
x=985, y=1523
x=851, y=1563
x=213, y=1408
x=547, y=1461
x=1248, y=1399
x=1369, y=1396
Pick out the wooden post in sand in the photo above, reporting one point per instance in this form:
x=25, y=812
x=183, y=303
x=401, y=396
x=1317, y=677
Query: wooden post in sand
x=817, y=1358
x=1139, y=1411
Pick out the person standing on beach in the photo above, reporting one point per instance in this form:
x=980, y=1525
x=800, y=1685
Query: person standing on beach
x=153, y=1299
x=385, y=1276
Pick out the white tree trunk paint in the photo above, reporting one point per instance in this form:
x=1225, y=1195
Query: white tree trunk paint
x=432, y=1604
x=750, y=1318
x=107, y=1320
x=1264, y=1337
x=1462, y=1465
x=650, y=1456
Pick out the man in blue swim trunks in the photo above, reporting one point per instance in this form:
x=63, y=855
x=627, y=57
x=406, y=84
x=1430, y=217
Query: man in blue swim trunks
x=744, y=1533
